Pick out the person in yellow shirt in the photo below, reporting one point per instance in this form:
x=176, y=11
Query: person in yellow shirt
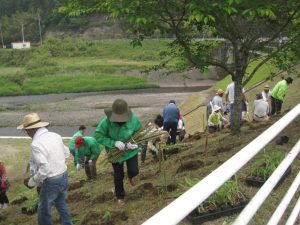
x=216, y=120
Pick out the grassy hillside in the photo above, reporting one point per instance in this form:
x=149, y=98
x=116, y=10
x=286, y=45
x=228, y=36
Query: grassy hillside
x=94, y=203
x=75, y=65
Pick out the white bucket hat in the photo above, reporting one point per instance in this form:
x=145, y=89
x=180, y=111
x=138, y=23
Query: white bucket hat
x=32, y=120
x=216, y=108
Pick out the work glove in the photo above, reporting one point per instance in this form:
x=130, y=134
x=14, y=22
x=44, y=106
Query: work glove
x=78, y=167
x=31, y=183
x=120, y=145
x=131, y=146
x=90, y=162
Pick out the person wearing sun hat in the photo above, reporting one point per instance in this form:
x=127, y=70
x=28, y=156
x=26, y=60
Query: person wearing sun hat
x=89, y=149
x=278, y=94
x=215, y=120
x=266, y=93
x=260, y=109
x=116, y=130
x=48, y=152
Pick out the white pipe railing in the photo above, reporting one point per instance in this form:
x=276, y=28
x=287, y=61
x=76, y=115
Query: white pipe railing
x=285, y=202
x=293, y=217
x=249, y=211
x=184, y=204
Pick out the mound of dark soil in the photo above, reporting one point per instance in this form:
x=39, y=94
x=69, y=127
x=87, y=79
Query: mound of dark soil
x=224, y=149
x=76, y=197
x=76, y=184
x=190, y=165
x=19, y=200
x=106, y=196
x=282, y=140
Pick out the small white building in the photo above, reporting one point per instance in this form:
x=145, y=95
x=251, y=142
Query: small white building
x=20, y=45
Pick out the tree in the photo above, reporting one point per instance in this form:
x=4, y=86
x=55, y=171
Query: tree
x=255, y=30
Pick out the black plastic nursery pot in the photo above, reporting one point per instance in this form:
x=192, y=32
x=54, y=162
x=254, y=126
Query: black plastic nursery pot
x=197, y=218
x=254, y=181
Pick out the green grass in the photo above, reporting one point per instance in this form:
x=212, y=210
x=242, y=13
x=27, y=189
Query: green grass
x=264, y=72
x=74, y=65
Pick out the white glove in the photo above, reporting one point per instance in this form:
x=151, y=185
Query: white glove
x=78, y=167
x=90, y=162
x=120, y=145
x=131, y=146
x=31, y=182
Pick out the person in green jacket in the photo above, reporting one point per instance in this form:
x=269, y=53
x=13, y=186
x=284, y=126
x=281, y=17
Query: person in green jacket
x=115, y=131
x=81, y=132
x=89, y=149
x=278, y=94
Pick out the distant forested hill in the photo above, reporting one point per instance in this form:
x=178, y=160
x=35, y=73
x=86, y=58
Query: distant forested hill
x=43, y=16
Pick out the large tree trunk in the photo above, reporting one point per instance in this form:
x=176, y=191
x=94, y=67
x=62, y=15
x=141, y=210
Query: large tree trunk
x=237, y=106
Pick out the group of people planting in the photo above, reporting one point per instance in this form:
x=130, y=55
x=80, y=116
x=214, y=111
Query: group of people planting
x=267, y=103
x=119, y=132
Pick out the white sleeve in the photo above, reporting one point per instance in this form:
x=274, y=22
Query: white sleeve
x=66, y=151
x=39, y=156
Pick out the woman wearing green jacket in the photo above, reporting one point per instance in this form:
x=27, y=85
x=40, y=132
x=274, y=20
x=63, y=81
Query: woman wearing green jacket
x=116, y=130
x=89, y=149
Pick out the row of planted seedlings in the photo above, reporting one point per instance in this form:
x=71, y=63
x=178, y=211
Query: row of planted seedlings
x=229, y=198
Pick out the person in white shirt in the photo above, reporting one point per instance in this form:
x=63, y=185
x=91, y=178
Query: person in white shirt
x=266, y=93
x=260, y=109
x=229, y=100
x=48, y=152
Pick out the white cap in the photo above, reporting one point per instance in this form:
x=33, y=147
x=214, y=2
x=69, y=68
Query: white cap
x=216, y=108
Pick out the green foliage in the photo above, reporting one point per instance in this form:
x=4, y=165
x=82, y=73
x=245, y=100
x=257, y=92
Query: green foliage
x=107, y=216
x=228, y=194
x=14, y=57
x=264, y=167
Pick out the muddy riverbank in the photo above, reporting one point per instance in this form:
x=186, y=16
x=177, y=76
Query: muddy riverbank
x=67, y=111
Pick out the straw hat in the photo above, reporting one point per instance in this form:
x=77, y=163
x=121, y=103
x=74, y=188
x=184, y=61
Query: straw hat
x=220, y=92
x=216, y=108
x=267, y=86
x=32, y=120
x=119, y=112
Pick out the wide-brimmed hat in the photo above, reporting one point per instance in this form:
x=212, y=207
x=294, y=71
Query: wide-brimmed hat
x=220, y=92
x=79, y=141
x=32, y=120
x=216, y=108
x=119, y=112
x=266, y=87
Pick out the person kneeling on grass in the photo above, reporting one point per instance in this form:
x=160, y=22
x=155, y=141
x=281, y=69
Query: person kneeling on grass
x=88, y=148
x=216, y=120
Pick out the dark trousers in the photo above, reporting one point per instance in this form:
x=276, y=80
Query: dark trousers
x=132, y=171
x=3, y=197
x=90, y=170
x=144, y=151
x=275, y=106
x=171, y=127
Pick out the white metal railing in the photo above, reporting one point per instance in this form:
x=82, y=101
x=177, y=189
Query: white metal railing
x=259, y=198
x=293, y=217
x=184, y=204
x=285, y=201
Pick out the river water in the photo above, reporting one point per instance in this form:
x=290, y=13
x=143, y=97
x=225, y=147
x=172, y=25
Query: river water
x=67, y=111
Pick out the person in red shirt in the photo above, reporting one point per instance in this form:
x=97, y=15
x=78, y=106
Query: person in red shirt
x=3, y=187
